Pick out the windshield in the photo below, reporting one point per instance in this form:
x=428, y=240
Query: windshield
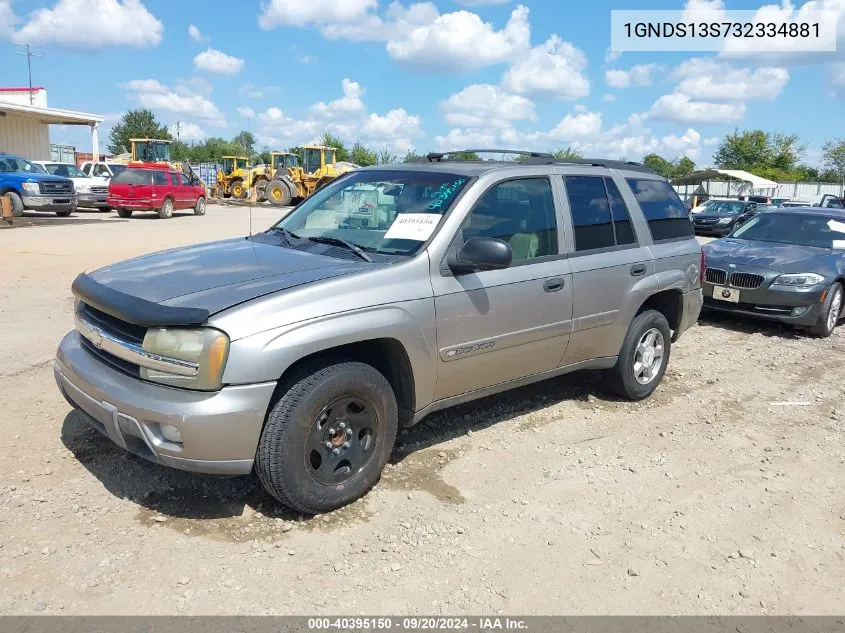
x=389, y=212
x=68, y=171
x=11, y=164
x=724, y=207
x=794, y=228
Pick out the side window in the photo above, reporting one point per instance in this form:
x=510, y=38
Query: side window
x=174, y=178
x=159, y=177
x=101, y=170
x=667, y=219
x=590, y=211
x=622, y=226
x=520, y=212
x=86, y=168
x=185, y=180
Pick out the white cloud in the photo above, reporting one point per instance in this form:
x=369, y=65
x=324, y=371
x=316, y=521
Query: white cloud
x=395, y=130
x=313, y=13
x=710, y=80
x=679, y=108
x=454, y=42
x=713, y=140
x=575, y=127
x=608, y=98
x=7, y=16
x=485, y=105
x=349, y=103
x=144, y=85
x=639, y=75
x=214, y=61
x=187, y=131
x=687, y=144
x=194, y=34
x=553, y=70
x=246, y=112
x=279, y=127
x=611, y=56
x=704, y=11
x=91, y=25
x=478, y=3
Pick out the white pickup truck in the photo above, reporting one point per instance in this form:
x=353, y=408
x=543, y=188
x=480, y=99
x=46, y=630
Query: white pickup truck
x=91, y=191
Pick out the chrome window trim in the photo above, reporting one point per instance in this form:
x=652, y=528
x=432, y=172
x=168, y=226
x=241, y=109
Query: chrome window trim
x=132, y=352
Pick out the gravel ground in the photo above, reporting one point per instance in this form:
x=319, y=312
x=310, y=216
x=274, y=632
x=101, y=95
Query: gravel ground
x=705, y=499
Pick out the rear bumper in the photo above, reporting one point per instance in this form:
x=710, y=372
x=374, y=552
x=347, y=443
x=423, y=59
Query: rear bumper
x=136, y=204
x=219, y=430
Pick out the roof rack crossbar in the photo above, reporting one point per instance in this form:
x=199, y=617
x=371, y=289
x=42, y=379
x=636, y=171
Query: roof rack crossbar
x=591, y=162
x=438, y=156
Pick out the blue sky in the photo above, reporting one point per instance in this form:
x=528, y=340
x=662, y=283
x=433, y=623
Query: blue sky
x=425, y=75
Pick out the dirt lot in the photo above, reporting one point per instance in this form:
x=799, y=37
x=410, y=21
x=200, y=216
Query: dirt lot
x=705, y=499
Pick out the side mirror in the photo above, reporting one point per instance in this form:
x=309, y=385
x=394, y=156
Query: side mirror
x=481, y=253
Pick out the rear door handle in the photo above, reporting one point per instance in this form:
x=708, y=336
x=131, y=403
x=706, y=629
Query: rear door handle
x=638, y=270
x=553, y=285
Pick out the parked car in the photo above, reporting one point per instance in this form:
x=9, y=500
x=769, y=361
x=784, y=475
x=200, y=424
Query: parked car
x=155, y=188
x=785, y=265
x=29, y=186
x=719, y=217
x=102, y=169
x=90, y=192
x=827, y=200
x=300, y=351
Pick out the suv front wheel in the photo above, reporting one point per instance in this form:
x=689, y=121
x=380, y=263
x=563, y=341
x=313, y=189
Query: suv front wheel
x=643, y=358
x=328, y=437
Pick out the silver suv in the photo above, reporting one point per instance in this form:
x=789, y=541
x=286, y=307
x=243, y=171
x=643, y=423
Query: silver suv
x=390, y=293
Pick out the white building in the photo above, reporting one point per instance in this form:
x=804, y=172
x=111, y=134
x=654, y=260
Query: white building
x=25, y=123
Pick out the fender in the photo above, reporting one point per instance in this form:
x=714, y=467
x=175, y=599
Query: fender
x=265, y=356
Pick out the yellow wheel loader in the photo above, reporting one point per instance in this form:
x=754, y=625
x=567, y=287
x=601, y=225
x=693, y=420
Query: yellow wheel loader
x=233, y=179
x=292, y=183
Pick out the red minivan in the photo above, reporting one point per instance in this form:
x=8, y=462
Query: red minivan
x=155, y=188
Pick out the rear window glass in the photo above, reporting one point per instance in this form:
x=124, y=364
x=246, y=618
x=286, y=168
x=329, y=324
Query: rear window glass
x=667, y=218
x=134, y=177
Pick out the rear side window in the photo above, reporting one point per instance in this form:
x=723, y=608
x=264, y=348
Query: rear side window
x=160, y=178
x=134, y=177
x=667, y=218
x=174, y=178
x=599, y=214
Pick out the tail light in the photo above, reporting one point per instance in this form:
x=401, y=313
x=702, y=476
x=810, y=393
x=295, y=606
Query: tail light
x=703, y=268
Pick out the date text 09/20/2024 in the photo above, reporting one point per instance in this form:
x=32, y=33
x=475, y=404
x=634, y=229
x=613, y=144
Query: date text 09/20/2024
x=418, y=624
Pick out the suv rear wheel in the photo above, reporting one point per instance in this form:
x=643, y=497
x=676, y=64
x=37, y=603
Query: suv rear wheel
x=643, y=358
x=328, y=436
x=124, y=213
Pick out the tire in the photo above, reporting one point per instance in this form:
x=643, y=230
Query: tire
x=124, y=213
x=64, y=214
x=277, y=193
x=649, y=329
x=200, y=208
x=293, y=462
x=831, y=311
x=166, y=211
x=17, y=204
x=260, y=188
x=237, y=189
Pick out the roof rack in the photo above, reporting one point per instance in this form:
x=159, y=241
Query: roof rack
x=591, y=162
x=438, y=156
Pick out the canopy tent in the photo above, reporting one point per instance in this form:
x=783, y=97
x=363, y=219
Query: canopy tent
x=745, y=180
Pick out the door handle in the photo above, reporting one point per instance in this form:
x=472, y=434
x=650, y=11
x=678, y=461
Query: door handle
x=638, y=270
x=553, y=285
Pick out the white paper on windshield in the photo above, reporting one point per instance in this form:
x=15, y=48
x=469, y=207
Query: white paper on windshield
x=413, y=226
x=833, y=225
x=838, y=245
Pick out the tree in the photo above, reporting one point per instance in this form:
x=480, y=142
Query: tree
x=833, y=157
x=659, y=164
x=753, y=150
x=246, y=140
x=264, y=155
x=465, y=156
x=330, y=140
x=140, y=123
x=683, y=167
x=567, y=154
x=411, y=157
x=361, y=155
x=386, y=157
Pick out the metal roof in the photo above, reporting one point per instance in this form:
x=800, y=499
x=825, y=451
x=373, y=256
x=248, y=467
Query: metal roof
x=698, y=177
x=49, y=115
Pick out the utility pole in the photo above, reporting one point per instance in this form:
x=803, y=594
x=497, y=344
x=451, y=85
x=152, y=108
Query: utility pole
x=29, y=55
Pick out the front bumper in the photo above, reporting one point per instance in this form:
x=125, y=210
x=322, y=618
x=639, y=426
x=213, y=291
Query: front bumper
x=712, y=229
x=49, y=203
x=220, y=430
x=97, y=200
x=773, y=303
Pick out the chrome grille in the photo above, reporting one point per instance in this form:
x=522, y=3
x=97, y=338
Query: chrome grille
x=55, y=187
x=749, y=281
x=99, y=190
x=716, y=276
x=114, y=326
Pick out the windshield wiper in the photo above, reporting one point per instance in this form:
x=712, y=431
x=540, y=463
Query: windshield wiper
x=336, y=241
x=289, y=237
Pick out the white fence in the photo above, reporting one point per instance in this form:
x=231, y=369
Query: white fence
x=784, y=190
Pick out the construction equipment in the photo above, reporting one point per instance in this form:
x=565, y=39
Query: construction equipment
x=233, y=179
x=292, y=183
x=280, y=163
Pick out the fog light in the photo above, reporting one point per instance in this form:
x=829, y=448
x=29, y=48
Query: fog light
x=799, y=310
x=170, y=433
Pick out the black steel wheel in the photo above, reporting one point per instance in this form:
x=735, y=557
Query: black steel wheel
x=328, y=436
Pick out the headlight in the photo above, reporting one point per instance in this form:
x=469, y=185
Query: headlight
x=725, y=221
x=31, y=187
x=207, y=347
x=799, y=280
x=83, y=188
